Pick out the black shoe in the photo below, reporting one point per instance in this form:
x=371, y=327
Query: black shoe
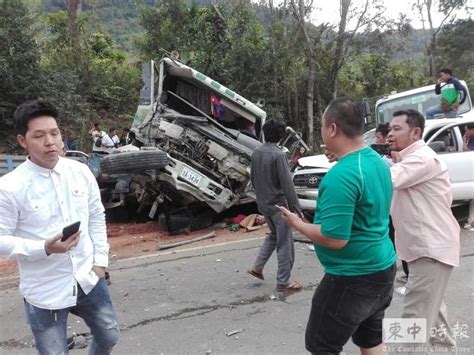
x=107, y=278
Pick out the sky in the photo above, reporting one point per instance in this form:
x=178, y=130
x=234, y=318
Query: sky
x=328, y=11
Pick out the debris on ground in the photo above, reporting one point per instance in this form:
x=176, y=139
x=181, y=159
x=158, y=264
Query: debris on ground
x=184, y=242
x=79, y=341
x=250, y=223
x=233, y=332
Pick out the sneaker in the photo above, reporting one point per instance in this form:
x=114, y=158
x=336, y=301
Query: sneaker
x=107, y=278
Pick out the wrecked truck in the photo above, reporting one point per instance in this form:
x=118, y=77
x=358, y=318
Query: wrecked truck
x=193, y=141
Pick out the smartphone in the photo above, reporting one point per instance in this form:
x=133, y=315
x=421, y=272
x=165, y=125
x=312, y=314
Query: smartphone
x=70, y=230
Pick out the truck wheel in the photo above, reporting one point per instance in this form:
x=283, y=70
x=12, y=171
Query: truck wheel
x=133, y=161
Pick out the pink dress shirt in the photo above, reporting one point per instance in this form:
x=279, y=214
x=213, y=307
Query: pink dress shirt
x=421, y=207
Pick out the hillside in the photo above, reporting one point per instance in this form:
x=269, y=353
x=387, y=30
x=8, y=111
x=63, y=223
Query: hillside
x=120, y=18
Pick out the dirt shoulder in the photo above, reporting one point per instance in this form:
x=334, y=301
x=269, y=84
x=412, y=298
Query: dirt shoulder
x=129, y=240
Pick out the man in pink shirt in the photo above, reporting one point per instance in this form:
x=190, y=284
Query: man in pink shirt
x=427, y=234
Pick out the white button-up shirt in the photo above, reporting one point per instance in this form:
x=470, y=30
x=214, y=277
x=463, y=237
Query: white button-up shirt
x=421, y=207
x=35, y=204
x=108, y=144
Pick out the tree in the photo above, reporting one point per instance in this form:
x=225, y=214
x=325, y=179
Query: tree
x=369, y=14
x=448, y=9
x=104, y=82
x=19, y=63
x=456, y=48
x=301, y=11
x=165, y=27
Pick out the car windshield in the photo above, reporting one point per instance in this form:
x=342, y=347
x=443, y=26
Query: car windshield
x=420, y=101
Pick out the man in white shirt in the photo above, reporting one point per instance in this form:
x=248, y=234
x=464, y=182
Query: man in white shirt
x=115, y=137
x=40, y=197
x=97, y=133
x=108, y=143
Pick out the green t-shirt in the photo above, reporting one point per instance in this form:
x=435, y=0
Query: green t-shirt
x=354, y=205
x=450, y=94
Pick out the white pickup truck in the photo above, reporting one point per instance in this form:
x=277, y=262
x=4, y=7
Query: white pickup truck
x=444, y=135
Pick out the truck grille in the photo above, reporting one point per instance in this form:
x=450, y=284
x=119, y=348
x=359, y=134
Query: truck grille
x=308, y=180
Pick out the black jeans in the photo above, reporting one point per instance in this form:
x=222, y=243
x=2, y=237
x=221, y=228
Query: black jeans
x=349, y=306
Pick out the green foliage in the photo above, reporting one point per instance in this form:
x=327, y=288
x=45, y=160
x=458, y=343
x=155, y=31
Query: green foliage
x=82, y=82
x=456, y=45
x=20, y=76
x=256, y=51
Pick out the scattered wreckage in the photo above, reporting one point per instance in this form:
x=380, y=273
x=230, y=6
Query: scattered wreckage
x=193, y=141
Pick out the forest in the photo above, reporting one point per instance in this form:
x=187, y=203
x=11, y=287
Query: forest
x=85, y=56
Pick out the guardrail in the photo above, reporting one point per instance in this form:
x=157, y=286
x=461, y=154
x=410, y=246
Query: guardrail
x=10, y=162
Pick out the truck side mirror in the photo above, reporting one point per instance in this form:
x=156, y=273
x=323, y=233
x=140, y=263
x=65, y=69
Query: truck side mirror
x=366, y=113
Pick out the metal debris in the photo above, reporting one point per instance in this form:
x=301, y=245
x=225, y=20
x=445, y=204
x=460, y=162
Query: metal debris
x=229, y=334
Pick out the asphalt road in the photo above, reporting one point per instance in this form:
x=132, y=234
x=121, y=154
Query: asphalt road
x=201, y=301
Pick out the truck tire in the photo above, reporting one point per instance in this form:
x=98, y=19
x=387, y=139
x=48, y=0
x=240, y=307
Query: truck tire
x=128, y=162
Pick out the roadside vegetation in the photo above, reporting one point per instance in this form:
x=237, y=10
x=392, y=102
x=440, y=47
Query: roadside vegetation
x=85, y=55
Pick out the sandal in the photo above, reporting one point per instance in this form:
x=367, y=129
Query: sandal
x=292, y=286
x=257, y=274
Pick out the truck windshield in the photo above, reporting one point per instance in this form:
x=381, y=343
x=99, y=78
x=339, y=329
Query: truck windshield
x=421, y=102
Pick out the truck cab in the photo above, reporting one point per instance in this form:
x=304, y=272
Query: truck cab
x=193, y=141
x=420, y=99
x=444, y=135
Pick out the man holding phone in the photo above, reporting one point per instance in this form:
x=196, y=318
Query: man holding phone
x=350, y=235
x=58, y=276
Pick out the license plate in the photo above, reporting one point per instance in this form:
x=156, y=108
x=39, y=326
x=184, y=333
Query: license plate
x=191, y=176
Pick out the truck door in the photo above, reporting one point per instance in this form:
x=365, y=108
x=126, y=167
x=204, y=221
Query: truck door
x=460, y=163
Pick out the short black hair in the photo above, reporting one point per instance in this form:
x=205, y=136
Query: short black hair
x=30, y=110
x=348, y=114
x=273, y=131
x=446, y=71
x=414, y=118
x=470, y=126
x=111, y=129
x=383, y=128
x=126, y=130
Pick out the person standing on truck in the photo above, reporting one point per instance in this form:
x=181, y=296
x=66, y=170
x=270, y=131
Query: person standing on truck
x=426, y=232
x=350, y=236
x=271, y=179
x=57, y=276
x=453, y=94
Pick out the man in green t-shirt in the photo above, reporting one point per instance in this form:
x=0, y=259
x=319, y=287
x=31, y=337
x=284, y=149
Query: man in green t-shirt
x=350, y=235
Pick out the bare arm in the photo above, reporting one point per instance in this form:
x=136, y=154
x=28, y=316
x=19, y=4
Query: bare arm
x=312, y=231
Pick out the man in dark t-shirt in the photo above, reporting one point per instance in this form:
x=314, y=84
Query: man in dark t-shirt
x=273, y=186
